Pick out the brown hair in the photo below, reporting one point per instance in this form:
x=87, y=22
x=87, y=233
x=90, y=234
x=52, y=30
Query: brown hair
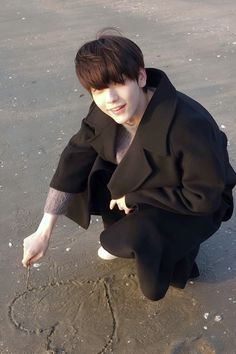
x=108, y=59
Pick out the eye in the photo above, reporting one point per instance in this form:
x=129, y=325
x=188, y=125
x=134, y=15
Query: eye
x=95, y=91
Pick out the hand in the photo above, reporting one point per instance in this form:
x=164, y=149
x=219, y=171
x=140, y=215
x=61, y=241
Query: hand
x=35, y=247
x=121, y=204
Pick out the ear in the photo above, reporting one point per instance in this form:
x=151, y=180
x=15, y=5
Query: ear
x=142, y=78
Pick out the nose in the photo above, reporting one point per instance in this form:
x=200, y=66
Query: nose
x=111, y=95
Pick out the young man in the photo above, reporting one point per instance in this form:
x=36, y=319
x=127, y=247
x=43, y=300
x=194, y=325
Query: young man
x=147, y=158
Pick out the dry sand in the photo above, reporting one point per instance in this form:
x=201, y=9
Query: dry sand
x=75, y=302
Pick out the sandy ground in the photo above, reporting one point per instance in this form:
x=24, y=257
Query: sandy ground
x=76, y=303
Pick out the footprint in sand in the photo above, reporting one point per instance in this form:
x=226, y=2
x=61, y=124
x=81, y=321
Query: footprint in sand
x=197, y=345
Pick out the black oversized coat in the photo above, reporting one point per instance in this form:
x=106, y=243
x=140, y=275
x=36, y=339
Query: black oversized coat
x=177, y=163
x=178, y=160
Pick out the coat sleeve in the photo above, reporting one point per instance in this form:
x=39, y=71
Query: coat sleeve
x=200, y=150
x=75, y=162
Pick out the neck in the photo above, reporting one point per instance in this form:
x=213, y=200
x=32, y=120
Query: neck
x=145, y=98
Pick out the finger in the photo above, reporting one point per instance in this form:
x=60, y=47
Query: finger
x=23, y=263
x=112, y=203
x=36, y=258
x=26, y=262
x=127, y=210
x=26, y=258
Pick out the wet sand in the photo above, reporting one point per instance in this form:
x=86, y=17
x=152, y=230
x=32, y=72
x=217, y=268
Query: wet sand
x=76, y=303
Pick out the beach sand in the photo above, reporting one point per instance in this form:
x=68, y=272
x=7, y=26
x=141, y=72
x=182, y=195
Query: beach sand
x=75, y=303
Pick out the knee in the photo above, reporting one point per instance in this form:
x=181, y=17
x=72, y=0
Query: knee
x=153, y=289
x=154, y=294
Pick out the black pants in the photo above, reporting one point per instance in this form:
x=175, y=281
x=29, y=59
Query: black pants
x=163, y=244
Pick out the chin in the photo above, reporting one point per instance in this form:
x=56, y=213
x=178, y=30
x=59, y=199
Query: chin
x=119, y=120
x=122, y=121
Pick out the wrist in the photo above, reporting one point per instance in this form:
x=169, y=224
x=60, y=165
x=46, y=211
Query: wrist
x=43, y=233
x=46, y=225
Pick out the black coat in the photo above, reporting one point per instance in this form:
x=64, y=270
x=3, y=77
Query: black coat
x=178, y=160
x=176, y=175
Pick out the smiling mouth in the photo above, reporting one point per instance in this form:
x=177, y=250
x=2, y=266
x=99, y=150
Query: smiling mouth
x=118, y=109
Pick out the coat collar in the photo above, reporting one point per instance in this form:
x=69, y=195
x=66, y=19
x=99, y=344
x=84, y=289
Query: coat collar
x=157, y=117
x=134, y=168
x=159, y=113
x=105, y=130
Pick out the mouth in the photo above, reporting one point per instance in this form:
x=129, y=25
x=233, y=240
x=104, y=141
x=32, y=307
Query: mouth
x=118, y=109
